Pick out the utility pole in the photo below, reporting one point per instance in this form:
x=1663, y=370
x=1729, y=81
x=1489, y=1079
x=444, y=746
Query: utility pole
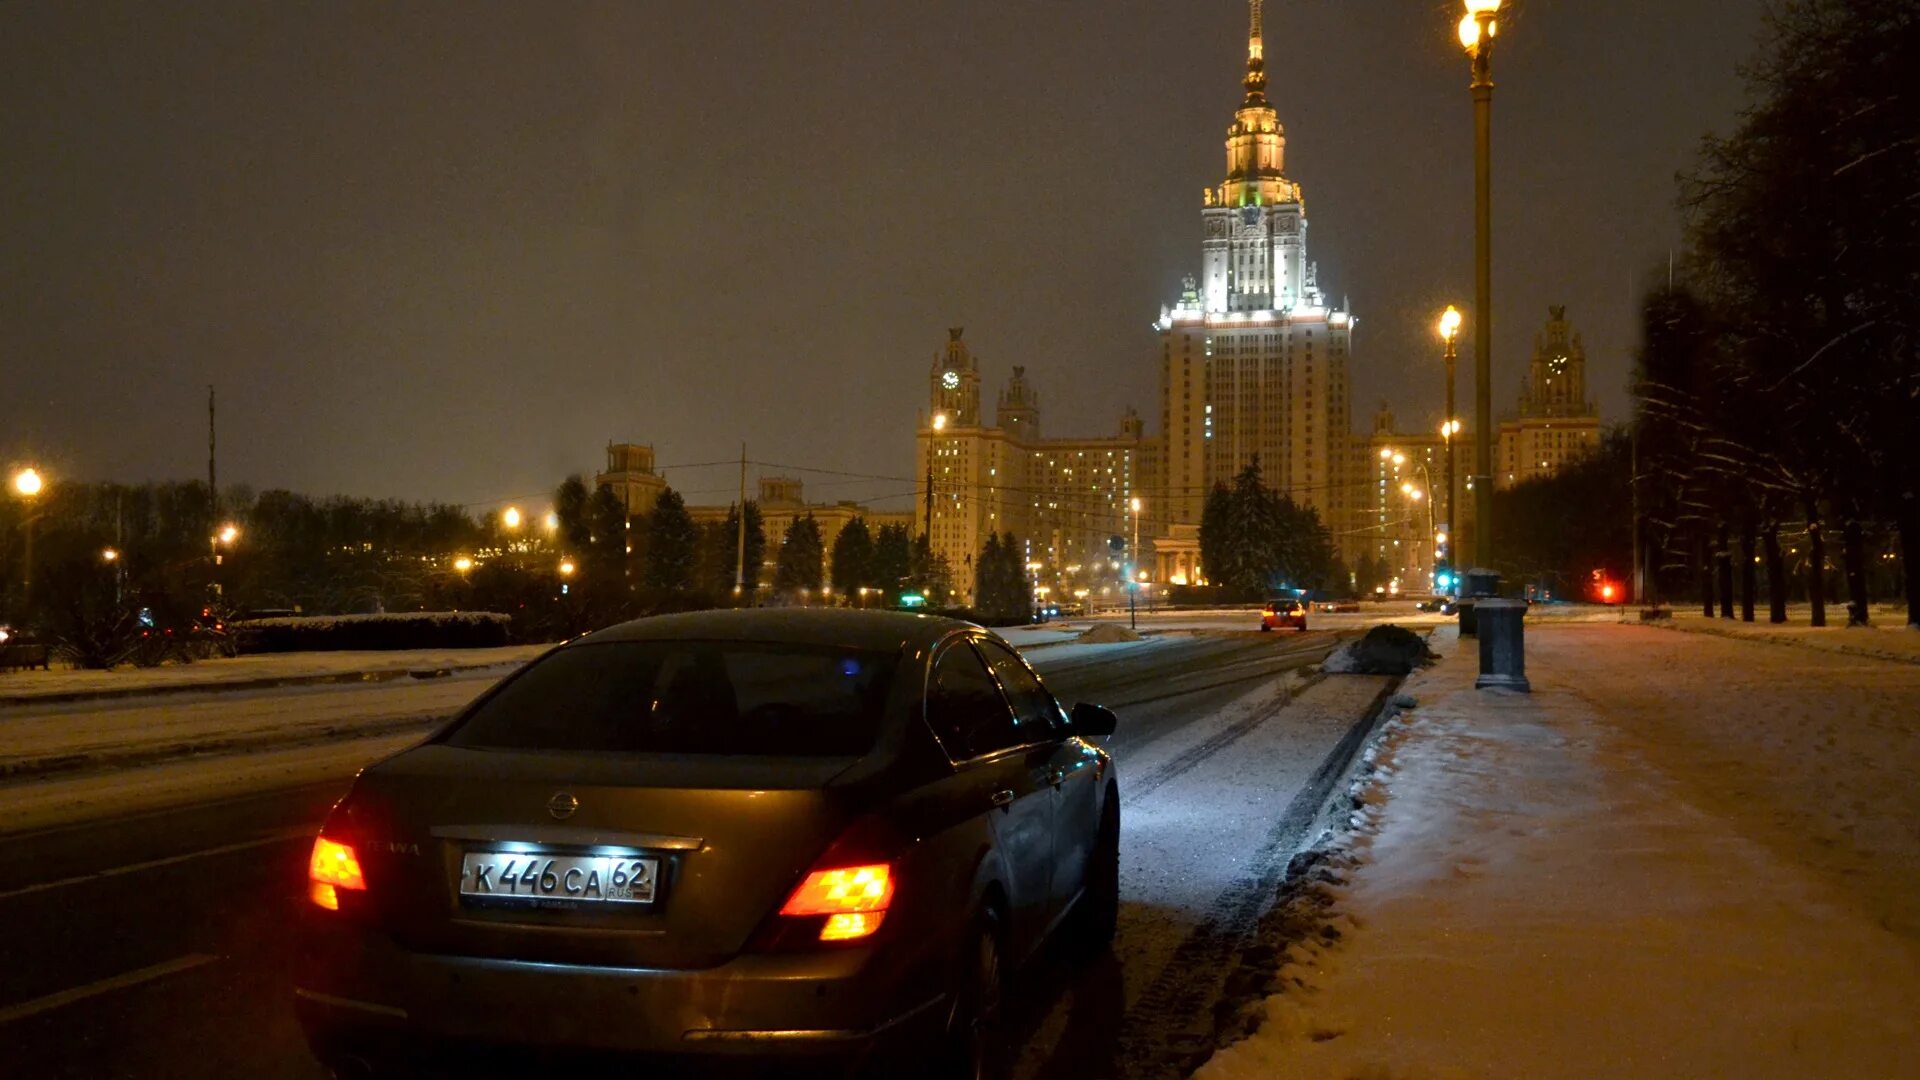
x=213, y=506
x=740, y=556
x=929, y=532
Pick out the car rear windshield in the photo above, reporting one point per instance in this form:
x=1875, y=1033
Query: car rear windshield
x=689, y=697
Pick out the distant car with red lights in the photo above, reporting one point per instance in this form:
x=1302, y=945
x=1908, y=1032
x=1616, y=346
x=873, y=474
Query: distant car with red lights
x=1278, y=613
x=736, y=837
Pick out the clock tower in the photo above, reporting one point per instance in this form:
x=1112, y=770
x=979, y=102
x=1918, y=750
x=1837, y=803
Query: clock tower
x=954, y=383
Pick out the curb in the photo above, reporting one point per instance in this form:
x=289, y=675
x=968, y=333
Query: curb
x=263, y=682
x=82, y=762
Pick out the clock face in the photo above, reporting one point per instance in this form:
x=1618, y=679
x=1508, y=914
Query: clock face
x=950, y=380
x=1249, y=215
x=1558, y=364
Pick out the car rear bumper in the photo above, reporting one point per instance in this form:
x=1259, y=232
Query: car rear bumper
x=361, y=997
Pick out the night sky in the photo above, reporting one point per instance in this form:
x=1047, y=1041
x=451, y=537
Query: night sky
x=449, y=250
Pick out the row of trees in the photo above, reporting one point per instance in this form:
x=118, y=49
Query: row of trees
x=112, y=561
x=1778, y=393
x=1254, y=541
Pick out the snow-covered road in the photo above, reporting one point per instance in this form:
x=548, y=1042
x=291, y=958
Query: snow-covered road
x=1217, y=740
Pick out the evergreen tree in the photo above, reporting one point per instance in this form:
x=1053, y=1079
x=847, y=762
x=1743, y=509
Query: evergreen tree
x=931, y=575
x=1215, y=528
x=671, y=544
x=852, y=560
x=1253, y=540
x=802, y=558
x=986, y=578
x=570, y=507
x=892, y=559
x=713, y=560
x=609, y=537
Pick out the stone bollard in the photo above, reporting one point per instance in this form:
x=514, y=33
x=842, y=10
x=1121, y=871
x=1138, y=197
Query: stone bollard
x=1503, y=645
x=1475, y=585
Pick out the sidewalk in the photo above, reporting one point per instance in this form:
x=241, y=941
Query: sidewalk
x=248, y=672
x=1680, y=856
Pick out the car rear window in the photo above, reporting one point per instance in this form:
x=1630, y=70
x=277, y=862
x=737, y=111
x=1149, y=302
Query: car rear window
x=689, y=697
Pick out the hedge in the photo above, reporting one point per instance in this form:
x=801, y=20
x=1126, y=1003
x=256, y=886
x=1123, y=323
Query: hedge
x=407, y=630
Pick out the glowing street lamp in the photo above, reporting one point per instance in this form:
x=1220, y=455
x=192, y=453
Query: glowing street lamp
x=109, y=555
x=229, y=533
x=939, y=421
x=463, y=564
x=510, y=517
x=552, y=522
x=27, y=483
x=566, y=567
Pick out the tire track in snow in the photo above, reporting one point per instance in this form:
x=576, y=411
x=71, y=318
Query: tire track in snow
x=1171, y=1027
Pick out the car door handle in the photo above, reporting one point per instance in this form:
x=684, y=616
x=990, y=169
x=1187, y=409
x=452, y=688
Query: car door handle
x=1002, y=798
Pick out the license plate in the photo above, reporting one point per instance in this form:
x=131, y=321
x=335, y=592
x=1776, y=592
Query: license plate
x=588, y=878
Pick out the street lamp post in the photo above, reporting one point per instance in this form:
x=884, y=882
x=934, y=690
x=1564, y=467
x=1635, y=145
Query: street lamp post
x=1133, y=569
x=1449, y=427
x=1477, y=30
x=27, y=484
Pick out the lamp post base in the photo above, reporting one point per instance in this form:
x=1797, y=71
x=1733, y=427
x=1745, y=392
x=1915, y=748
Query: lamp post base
x=1503, y=645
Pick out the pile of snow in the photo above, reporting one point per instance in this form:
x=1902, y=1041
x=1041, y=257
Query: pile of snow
x=1385, y=650
x=1107, y=634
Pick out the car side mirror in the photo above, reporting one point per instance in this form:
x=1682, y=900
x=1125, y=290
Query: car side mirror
x=1093, y=721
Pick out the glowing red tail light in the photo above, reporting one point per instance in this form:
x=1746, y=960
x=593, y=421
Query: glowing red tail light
x=854, y=900
x=333, y=866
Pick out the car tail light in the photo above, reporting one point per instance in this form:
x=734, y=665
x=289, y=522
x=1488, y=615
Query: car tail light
x=854, y=900
x=333, y=866
x=843, y=891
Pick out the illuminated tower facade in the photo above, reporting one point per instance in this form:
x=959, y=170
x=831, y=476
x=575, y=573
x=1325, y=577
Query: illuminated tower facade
x=1253, y=360
x=1556, y=423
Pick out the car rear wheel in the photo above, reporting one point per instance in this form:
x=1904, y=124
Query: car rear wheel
x=976, y=1039
x=1099, y=912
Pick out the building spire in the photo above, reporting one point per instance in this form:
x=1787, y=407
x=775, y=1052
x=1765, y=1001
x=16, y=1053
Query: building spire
x=1256, y=59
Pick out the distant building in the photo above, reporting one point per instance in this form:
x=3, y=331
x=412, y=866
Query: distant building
x=631, y=476
x=1064, y=499
x=1401, y=483
x=1253, y=358
x=1556, y=423
x=782, y=500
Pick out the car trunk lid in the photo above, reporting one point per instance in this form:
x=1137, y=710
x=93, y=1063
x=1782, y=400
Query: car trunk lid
x=729, y=838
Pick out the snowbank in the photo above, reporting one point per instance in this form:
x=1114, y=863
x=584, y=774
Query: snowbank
x=1384, y=650
x=21, y=687
x=1678, y=857
x=1107, y=634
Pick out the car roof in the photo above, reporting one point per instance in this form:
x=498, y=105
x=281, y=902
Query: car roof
x=803, y=626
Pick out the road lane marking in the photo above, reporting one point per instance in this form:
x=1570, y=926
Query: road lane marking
x=280, y=837
x=104, y=986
